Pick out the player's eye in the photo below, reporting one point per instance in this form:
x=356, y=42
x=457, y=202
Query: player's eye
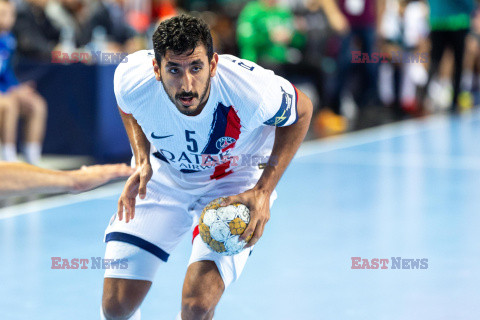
x=173, y=70
x=196, y=69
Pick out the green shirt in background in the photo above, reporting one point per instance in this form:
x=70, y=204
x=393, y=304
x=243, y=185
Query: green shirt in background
x=255, y=22
x=450, y=14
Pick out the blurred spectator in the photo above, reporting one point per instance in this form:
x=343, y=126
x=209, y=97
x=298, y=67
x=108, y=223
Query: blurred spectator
x=320, y=15
x=403, y=30
x=415, y=40
x=336, y=18
x=469, y=94
x=450, y=24
x=222, y=28
x=35, y=34
x=18, y=99
x=138, y=14
x=71, y=18
x=110, y=15
x=267, y=35
x=96, y=25
x=363, y=17
x=164, y=9
x=270, y=35
x=8, y=125
x=318, y=22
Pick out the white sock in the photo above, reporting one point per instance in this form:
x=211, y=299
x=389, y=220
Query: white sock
x=102, y=315
x=32, y=152
x=136, y=315
x=9, y=152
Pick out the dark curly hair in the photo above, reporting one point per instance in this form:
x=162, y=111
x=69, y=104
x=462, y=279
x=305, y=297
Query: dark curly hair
x=180, y=35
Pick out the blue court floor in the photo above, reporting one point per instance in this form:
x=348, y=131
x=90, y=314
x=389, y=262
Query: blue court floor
x=409, y=190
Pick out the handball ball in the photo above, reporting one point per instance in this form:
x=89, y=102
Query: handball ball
x=220, y=227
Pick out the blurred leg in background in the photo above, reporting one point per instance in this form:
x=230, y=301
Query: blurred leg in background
x=458, y=45
x=344, y=62
x=33, y=112
x=440, y=41
x=8, y=127
x=369, y=82
x=330, y=119
x=438, y=45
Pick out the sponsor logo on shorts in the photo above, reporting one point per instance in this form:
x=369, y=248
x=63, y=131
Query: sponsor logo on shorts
x=93, y=263
x=393, y=263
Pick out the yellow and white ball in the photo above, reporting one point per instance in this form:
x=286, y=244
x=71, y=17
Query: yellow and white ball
x=220, y=227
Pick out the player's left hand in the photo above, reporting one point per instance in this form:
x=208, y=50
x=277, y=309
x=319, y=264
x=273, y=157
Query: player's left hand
x=258, y=202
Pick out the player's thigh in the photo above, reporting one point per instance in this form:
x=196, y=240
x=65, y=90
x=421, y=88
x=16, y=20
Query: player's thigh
x=8, y=108
x=203, y=285
x=229, y=268
x=128, y=280
x=7, y=102
x=161, y=219
x=31, y=104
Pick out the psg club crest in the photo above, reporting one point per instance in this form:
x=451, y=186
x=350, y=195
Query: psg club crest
x=224, y=142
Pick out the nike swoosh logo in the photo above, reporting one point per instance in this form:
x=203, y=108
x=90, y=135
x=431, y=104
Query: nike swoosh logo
x=159, y=137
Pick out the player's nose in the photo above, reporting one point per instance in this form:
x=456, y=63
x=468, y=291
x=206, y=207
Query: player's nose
x=187, y=83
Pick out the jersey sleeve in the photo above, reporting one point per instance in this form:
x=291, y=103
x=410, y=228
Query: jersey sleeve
x=279, y=102
x=119, y=84
x=130, y=78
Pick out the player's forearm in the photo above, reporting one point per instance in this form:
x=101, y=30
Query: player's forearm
x=19, y=179
x=380, y=10
x=138, y=141
x=287, y=142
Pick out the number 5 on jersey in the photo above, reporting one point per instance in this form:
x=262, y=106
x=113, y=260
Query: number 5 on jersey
x=194, y=146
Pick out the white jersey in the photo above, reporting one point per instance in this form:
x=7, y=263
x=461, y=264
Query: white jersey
x=233, y=133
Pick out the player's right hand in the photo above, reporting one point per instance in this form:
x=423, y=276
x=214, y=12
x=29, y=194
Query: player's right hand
x=135, y=185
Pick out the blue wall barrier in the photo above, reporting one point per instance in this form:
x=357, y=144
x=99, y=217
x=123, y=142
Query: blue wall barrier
x=82, y=112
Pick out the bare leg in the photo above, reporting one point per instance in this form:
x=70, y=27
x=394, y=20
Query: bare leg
x=202, y=289
x=122, y=297
x=9, y=121
x=33, y=108
x=8, y=127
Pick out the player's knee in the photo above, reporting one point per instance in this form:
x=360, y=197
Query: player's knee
x=197, y=308
x=115, y=308
x=10, y=104
x=40, y=107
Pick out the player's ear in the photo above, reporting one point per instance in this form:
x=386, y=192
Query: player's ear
x=156, y=69
x=213, y=64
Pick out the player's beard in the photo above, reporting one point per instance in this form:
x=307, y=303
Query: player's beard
x=192, y=109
